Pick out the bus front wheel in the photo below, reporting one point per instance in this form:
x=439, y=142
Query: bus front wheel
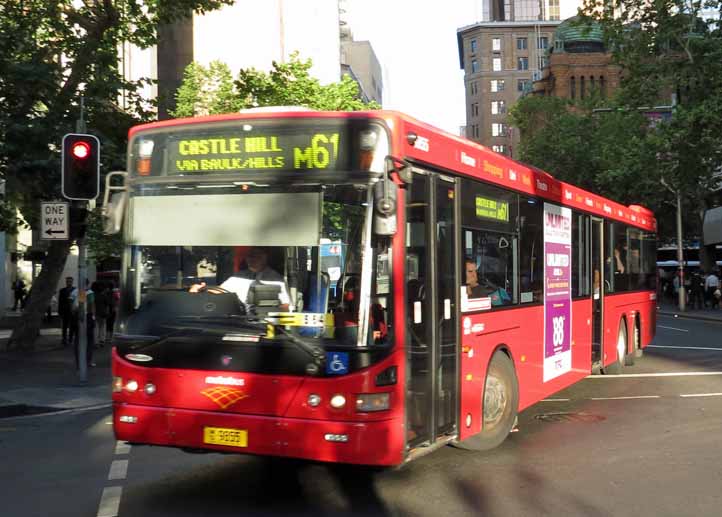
x=500, y=403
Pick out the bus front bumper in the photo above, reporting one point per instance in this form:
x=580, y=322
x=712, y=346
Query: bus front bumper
x=365, y=443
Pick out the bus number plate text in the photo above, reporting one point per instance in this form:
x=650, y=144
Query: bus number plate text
x=225, y=436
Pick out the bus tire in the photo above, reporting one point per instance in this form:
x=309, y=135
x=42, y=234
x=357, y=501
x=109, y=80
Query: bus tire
x=500, y=404
x=630, y=356
x=617, y=367
x=637, y=338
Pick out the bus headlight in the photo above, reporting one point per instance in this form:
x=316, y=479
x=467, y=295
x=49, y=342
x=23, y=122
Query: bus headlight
x=338, y=401
x=132, y=386
x=366, y=402
x=314, y=400
x=150, y=388
x=117, y=384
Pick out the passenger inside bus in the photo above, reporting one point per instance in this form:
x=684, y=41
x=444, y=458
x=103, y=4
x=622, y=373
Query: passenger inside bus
x=487, y=287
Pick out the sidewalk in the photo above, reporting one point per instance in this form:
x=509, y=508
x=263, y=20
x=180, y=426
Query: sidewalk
x=45, y=379
x=670, y=309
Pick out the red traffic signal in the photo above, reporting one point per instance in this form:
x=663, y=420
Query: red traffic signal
x=81, y=150
x=80, y=166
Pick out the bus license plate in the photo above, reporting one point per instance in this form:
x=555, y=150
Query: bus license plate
x=225, y=436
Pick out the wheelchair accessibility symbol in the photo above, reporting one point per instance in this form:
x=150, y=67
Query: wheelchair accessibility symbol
x=336, y=363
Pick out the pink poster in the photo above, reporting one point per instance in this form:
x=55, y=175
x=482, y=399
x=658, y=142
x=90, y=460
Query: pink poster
x=557, y=291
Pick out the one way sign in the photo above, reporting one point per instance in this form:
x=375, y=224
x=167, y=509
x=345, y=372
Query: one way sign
x=54, y=224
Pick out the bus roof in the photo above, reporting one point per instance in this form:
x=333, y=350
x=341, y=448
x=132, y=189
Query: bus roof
x=426, y=144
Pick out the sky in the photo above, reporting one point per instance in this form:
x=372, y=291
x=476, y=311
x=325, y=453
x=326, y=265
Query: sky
x=415, y=42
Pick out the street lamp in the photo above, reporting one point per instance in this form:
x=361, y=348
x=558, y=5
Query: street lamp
x=680, y=254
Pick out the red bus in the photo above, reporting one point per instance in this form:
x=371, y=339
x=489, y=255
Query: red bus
x=471, y=287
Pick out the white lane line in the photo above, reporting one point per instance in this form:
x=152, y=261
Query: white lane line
x=702, y=395
x=665, y=374
x=672, y=328
x=556, y=400
x=118, y=469
x=122, y=448
x=110, y=501
x=685, y=347
x=626, y=398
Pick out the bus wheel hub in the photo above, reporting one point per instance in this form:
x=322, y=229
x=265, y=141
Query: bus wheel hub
x=494, y=400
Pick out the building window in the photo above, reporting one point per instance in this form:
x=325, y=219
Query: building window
x=522, y=63
x=498, y=107
x=521, y=43
x=475, y=130
x=498, y=129
x=544, y=61
x=498, y=148
x=496, y=64
x=581, y=87
x=474, y=66
x=572, y=87
x=522, y=85
x=497, y=85
x=543, y=42
x=473, y=88
x=474, y=109
x=473, y=45
x=496, y=44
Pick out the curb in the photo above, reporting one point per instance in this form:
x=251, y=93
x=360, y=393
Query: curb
x=690, y=316
x=59, y=411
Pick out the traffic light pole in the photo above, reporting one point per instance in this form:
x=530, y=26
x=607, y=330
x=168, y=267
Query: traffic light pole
x=82, y=309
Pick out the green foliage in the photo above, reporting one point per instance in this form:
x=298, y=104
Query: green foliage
x=208, y=91
x=101, y=247
x=664, y=48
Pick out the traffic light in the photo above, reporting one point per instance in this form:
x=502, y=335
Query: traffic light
x=80, y=166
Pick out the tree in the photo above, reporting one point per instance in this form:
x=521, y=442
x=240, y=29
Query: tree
x=211, y=91
x=52, y=52
x=672, y=49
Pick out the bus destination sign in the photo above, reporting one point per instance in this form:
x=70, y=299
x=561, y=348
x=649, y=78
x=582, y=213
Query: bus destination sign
x=492, y=209
x=228, y=153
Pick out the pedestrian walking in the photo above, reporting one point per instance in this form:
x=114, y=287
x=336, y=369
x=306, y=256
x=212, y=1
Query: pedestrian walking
x=89, y=324
x=696, y=291
x=19, y=294
x=712, y=287
x=102, y=308
x=65, y=311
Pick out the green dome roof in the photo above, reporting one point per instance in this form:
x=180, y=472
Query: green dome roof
x=574, y=33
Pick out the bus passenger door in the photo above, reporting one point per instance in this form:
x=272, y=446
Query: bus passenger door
x=597, y=289
x=431, y=270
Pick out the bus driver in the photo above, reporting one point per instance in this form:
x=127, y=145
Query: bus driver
x=257, y=270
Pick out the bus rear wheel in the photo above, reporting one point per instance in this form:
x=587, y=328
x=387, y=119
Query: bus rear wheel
x=500, y=403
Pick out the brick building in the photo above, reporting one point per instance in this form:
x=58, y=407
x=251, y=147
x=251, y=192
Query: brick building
x=578, y=64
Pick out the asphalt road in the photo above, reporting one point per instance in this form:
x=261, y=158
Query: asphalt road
x=644, y=443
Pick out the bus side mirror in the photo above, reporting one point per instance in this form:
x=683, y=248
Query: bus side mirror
x=385, y=207
x=114, y=204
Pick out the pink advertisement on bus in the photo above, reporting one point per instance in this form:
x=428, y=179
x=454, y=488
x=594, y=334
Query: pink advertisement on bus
x=557, y=291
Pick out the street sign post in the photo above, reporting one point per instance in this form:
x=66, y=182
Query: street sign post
x=54, y=221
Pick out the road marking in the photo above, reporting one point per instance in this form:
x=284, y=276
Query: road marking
x=118, y=469
x=666, y=374
x=702, y=395
x=110, y=501
x=685, y=347
x=672, y=328
x=626, y=398
x=122, y=448
x=556, y=400
x=5, y=334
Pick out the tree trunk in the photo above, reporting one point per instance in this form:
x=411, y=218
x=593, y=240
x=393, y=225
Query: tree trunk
x=28, y=328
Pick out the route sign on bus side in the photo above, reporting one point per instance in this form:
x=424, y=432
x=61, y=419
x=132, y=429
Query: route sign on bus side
x=54, y=221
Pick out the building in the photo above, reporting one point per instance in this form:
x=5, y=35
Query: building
x=358, y=60
x=578, y=64
x=500, y=60
x=252, y=33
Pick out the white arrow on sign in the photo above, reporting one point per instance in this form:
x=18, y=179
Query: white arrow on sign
x=54, y=221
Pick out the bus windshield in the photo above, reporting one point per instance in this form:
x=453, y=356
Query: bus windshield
x=233, y=259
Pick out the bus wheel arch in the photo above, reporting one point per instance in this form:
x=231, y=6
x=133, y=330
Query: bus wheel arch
x=500, y=403
x=621, y=349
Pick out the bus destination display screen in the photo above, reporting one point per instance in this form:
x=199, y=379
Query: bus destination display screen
x=487, y=208
x=233, y=151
